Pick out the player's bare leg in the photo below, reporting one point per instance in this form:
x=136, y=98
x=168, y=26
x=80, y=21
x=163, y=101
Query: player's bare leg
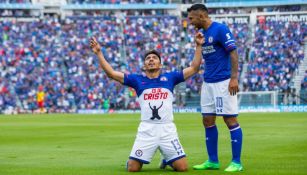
x=230, y=121
x=209, y=121
x=180, y=165
x=134, y=166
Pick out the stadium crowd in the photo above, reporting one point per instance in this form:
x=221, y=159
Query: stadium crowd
x=144, y=33
x=304, y=82
x=117, y=1
x=273, y=68
x=55, y=54
x=15, y=1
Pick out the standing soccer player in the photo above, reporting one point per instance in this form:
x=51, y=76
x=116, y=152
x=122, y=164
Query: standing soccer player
x=220, y=87
x=155, y=93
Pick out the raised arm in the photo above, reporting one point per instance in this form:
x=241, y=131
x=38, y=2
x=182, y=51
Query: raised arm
x=194, y=67
x=150, y=106
x=160, y=105
x=111, y=73
x=233, y=83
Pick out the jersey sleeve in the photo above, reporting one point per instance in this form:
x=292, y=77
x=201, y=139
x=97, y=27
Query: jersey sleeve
x=130, y=80
x=177, y=77
x=226, y=38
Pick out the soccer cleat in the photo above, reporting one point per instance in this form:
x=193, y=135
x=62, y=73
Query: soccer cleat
x=163, y=164
x=234, y=167
x=207, y=166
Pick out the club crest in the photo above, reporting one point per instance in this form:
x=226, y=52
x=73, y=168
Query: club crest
x=139, y=153
x=163, y=79
x=210, y=39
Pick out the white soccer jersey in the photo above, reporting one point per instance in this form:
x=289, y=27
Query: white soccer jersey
x=156, y=105
x=155, y=95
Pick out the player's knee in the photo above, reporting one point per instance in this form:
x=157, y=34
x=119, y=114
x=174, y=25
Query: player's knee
x=180, y=165
x=133, y=166
x=230, y=121
x=208, y=121
x=133, y=169
x=182, y=168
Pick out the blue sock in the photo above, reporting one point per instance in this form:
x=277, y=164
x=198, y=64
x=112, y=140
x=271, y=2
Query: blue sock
x=236, y=142
x=171, y=165
x=211, y=143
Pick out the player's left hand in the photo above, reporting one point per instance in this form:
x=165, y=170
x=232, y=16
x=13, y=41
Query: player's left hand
x=233, y=86
x=199, y=39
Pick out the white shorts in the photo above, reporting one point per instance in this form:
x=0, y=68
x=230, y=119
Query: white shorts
x=216, y=100
x=151, y=137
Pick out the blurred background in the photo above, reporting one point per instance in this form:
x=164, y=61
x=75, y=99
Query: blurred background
x=45, y=55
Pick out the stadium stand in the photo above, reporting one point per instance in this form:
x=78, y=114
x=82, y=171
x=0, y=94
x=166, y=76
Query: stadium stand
x=275, y=55
x=15, y=1
x=117, y=1
x=54, y=52
x=304, y=81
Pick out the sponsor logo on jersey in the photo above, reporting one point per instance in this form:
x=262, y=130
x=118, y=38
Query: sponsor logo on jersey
x=208, y=49
x=156, y=94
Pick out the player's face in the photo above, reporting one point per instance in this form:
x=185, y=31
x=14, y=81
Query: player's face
x=152, y=62
x=196, y=19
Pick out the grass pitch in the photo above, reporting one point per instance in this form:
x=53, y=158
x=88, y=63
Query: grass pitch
x=273, y=143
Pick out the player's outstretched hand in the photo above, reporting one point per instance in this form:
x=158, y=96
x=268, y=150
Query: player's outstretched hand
x=199, y=39
x=95, y=45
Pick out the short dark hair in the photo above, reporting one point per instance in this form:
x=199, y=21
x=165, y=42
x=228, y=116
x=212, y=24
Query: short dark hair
x=152, y=52
x=201, y=7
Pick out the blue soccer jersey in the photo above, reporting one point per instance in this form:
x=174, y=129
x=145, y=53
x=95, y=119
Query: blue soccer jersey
x=155, y=95
x=219, y=42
